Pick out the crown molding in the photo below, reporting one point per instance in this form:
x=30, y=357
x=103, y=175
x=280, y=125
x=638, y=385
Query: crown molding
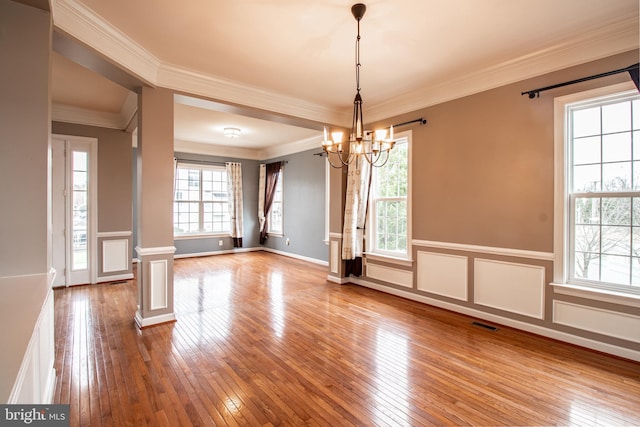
x=610, y=39
x=196, y=83
x=83, y=116
x=191, y=147
x=292, y=148
x=80, y=22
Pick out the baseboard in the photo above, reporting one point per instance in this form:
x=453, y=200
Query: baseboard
x=527, y=327
x=224, y=252
x=300, y=257
x=338, y=280
x=115, y=278
x=154, y=320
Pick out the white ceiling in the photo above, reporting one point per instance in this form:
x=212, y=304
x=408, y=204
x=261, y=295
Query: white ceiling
x=296, y=58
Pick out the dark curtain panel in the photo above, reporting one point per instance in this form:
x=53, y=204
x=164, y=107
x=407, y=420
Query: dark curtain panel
x=635, y=76
x=353, y=267
x=272, y=173
x=237, y=242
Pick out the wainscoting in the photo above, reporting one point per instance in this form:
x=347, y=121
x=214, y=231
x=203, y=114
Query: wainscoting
x=114, y=256
x=508, y=287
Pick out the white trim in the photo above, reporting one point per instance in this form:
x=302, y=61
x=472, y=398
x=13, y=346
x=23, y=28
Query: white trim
x=610, y=39
x=201, y=236
x=300, y=257
x=524, y=326
x=392, y=275
x=158, y=283
x=560, y=220
x=114, y=278
x=153, y=320
x=104, y=234
x=79, y=21
x=338, y=280
x=596, y=294
x=161, y=250
x=224, y=252
x=83, y=116
x=597, y=320
x=390, y=259
x=518, y=253
x=333, y=235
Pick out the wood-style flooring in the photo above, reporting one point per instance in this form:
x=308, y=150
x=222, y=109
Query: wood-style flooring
x=265, y=340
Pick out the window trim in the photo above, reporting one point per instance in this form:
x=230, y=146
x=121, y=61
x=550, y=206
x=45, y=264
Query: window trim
x=200, y=234
x=393, y=257
x=562, y=222
x=280, y=184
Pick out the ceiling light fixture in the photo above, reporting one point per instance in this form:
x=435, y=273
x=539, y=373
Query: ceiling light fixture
x=373, y=146
x=232, y=132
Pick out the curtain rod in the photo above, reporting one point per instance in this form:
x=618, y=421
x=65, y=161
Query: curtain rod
x=205, y=162
x=536, y=92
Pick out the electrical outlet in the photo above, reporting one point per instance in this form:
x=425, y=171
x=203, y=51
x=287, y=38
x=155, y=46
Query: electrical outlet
x=288, y=242
x=220, y=243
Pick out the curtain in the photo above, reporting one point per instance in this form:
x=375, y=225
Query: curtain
x=175, y=176
x=635, y=76
x=355, y=214
x=272, y=172
x=261, y=185
x=234, y=189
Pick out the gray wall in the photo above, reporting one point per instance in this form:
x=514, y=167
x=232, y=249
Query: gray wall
x=115, y=175
x=304, y=207
x=250, y=210
x=25, y=42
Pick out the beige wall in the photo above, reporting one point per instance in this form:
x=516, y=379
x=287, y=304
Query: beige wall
x=483, y=164
x=25, y=42
x=115, y=194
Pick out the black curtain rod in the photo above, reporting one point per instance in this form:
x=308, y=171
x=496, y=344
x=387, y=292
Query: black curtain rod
x=204, y=162
x=536, y=92
x=421, y=120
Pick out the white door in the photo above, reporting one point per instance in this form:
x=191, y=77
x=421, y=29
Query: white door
x=73, y=210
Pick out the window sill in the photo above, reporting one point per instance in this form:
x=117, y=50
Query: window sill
x=390, y=259
x=199, y=236
x=275, y=234
x=631, y=300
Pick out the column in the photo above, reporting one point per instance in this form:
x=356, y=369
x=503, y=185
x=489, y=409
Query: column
x=154, y=195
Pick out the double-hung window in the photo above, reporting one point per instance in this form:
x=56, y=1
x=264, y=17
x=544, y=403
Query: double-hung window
x=602, y=192
x=201, y=200
x=389, y=216
x=274, y=224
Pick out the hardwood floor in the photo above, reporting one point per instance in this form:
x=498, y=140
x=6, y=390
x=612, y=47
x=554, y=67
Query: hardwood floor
x=264, y=340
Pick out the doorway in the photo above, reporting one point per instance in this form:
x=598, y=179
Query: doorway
x=74, y=209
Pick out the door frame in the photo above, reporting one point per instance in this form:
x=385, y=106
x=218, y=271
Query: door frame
x=91, y=145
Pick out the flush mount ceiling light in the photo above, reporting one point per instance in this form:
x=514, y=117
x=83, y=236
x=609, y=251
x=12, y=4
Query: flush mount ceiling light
x=232, y=132
x=373, y=146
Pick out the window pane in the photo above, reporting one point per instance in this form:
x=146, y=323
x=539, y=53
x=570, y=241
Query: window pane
x=616, y=240
x=616, y=210
x=587, y=266
x=635, y=106
x=80, y=160
x=616, y=117
x=586, y=122
x=586, y=178
x=615, y=269
x=586, y=150
x=616, y=176
x=587, y=210
x=616, y=147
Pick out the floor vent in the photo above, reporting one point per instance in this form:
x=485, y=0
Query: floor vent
x=483, y=325
x=118, y=282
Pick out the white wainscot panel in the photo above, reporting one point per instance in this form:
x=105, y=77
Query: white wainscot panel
x=115, y=255
x=443, y=274
x=158, y=284
x=518, y=288
x=390, y=275
x=335, y=257
x=606, y=322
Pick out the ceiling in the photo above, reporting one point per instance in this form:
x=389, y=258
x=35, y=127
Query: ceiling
x=281, y=69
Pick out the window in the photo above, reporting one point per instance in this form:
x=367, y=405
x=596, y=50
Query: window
x=389, y=203
x=201, y=200
x=602, y=192
x=274, y=223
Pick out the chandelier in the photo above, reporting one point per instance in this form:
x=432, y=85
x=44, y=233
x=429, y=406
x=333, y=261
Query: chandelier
x=374, y=147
